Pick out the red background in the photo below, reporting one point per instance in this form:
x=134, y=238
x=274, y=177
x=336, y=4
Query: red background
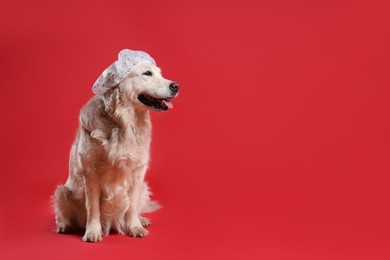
x=277, y=148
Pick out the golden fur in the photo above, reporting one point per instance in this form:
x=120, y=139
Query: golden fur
x=108, y=160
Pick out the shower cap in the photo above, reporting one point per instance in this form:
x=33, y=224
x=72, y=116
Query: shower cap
x=127, y=61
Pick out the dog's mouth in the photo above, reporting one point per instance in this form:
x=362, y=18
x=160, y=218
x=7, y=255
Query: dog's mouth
x=159, y=104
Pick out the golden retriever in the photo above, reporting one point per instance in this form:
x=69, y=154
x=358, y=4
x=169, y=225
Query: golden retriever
x=106, y=189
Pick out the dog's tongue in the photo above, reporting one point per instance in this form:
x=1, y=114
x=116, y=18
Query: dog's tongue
x=168, y=103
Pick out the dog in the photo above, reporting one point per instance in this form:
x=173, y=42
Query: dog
x=106, y=189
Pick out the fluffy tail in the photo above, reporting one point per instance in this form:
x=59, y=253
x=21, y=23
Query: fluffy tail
x=151, y=206
x=147, y=205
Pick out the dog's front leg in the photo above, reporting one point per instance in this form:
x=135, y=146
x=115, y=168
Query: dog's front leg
x=133, y=222
x=93, y=231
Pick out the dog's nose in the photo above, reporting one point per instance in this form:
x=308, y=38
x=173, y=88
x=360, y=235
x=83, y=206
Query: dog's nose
x=174, y=87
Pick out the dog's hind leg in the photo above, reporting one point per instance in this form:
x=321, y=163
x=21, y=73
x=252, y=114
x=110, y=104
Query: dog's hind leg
x=146, y=205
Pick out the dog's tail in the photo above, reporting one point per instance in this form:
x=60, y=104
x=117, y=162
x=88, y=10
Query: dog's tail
x=147, y=205
x=151, y=206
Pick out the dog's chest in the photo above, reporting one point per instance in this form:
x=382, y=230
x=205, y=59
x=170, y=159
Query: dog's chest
x=135, y=145
x=130, y=144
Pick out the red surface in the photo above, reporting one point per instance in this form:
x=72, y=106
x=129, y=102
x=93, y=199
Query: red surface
x=277, y=148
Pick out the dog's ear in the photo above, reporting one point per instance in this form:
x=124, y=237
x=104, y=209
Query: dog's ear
x=112, y=99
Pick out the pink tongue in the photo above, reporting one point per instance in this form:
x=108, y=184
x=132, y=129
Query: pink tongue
x=168, y=103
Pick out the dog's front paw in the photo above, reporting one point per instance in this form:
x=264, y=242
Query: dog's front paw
x=92, y=236
x=138, y=232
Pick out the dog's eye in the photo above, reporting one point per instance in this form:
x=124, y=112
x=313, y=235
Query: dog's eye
x=148, y=73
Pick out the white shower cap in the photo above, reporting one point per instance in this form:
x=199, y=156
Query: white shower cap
x=116, y=72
